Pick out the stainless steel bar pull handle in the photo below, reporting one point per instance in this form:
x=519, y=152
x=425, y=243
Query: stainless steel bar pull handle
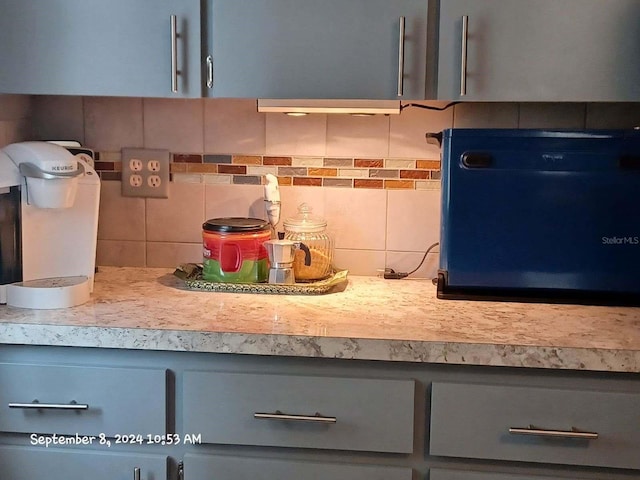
x=401, y=58
x=174, y=54
x=35, y=405
x=136, y=473
x=543, y=432
x=463, y=56
x=278, y=415
x=209, y=71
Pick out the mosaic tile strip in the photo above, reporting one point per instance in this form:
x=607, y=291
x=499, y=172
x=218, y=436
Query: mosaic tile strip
x=378, y=173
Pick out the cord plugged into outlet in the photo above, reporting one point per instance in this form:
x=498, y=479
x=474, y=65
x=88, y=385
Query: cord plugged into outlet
x=391, y=274
x=145, y=172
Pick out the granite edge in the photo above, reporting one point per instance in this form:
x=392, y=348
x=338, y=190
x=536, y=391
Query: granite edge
x=438, y=352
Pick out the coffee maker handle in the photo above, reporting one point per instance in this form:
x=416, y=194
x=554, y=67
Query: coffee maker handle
x=307, y=252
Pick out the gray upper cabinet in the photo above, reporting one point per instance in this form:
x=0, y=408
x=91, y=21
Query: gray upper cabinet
x=92, y=47
x=539, y=50
x=318, y=49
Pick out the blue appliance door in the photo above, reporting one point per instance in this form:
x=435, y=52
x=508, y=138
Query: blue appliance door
x=532, y=210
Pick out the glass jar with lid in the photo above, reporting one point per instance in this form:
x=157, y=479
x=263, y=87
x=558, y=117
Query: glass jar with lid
x=310, y=229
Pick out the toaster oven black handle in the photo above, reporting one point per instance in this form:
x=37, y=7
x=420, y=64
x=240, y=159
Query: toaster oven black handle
x=477, y=159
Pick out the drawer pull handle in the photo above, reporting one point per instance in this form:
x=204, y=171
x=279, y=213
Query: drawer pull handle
x=136, y=473
x=573, y=433
x=278, y=415
x=35, y=405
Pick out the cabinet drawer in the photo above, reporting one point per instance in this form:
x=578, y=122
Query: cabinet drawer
x=26, y=463
x=477, y=421
x=217, y=467
x=349, y=414
x=117, y=400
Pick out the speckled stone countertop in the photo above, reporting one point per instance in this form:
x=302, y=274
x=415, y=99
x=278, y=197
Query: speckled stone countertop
x=370, y=319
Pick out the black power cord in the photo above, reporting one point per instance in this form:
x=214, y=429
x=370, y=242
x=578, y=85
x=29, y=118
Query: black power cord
x=391, y=274
x=428, y=107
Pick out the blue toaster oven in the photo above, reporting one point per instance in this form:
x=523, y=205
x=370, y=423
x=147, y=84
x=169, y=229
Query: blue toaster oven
x=540, y=215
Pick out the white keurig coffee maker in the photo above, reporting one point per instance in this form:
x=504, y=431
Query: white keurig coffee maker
x=49, y=203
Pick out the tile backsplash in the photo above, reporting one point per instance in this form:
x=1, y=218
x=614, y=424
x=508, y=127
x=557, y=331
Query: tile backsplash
x=15, y=118
x=375, y=179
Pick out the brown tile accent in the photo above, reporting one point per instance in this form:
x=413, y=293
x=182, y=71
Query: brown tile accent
x=233, y=169
x=285, y=180
x=276, y=160
x=428, y=164
x=435, y=175
x=105, y=166
x=117, y=166
x=201, y=168
x=178, y=168
x=383, y=173
x=293, y=171
x=363, y=163
x=367, y=183
x=403, y=184
x=111, y=176
x=322, y=172
x=337, y=182
x=246, y=159
x=308, y=181
x=338, y=162
x=187, y=158
x=415, y=174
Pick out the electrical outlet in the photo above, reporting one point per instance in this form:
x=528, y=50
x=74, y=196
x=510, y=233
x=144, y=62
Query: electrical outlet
x=153, y=165
x=135, y=180
x=154, y=181
x=135, y=164
x=145, y=172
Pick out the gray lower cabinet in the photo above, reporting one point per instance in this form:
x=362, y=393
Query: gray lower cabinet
x=66, y=400
x=91, y=47
x=371, y=49
x=38, y=463
x=217, y=467
x=300, y=411
x=539, y=50
x=236, y=417
x=544, y=425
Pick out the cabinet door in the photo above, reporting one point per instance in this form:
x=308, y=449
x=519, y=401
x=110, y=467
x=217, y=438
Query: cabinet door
x=217, y=467
x=92, y=47
x=27, y=463
x=540, y=50
x=317, y=49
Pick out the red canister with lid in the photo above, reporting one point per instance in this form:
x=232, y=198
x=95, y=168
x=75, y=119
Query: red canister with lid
x=233, y=250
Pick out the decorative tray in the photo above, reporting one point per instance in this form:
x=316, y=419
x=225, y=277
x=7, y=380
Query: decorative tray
x=191, y=274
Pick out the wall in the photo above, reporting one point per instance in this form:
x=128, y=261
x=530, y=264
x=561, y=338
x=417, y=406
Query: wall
x=378, y=215
x=15, y=124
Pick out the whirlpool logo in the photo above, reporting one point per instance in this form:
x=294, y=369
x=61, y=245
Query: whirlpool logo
x=620, y=240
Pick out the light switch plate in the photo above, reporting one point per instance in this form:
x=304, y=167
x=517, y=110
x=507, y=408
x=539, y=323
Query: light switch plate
x=145, y=172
